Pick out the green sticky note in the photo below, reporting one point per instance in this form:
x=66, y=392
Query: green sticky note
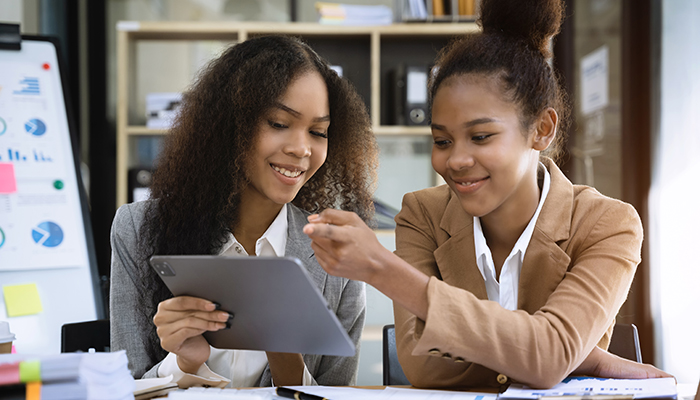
x=30, y=371
x=22, y=300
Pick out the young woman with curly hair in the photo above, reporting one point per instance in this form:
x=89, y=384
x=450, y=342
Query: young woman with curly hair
x=509, y=272
x=266, y=135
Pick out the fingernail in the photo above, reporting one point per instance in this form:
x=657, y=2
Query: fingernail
x=216, y=305
x=228, y=326
x=312, y=217
x=230, y=317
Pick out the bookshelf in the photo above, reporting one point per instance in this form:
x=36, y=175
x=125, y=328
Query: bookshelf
x=366, y=53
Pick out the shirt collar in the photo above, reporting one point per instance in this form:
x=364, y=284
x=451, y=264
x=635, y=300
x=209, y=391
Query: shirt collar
x=481, y=248
x=274, y=238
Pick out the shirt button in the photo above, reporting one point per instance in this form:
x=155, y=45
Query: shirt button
x=434, y=352
x=459, y=360
x=238, y=249
x=447, y=356
x=502, y=379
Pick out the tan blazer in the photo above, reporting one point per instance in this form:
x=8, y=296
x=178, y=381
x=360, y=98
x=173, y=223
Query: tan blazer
x=576, y=273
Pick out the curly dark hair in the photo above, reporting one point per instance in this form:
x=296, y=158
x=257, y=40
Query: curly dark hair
x=514, y=47
x=201, y=172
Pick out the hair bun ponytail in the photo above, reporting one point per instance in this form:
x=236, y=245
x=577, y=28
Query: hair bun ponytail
x=533, y=21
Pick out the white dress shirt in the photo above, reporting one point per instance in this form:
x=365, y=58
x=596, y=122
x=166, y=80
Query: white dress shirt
x=238, y=368
x=504, y=289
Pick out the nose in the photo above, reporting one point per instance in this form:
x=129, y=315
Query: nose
x=461, y=157
x=298, y=144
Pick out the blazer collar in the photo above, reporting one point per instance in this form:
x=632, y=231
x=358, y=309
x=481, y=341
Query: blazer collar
x=299, y=245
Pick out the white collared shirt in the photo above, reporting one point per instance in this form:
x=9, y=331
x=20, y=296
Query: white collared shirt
x=504, y=289
x=243, y=367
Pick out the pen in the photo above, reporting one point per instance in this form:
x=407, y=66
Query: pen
x=295, y=394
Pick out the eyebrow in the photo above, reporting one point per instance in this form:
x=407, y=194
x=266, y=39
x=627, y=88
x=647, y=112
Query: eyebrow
x=469, y=124
x=297, y=114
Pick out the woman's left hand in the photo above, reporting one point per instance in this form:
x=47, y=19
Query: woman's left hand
x=606, y=365
x=345, y=246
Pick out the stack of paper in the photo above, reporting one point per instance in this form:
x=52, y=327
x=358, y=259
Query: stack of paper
x=346, y=14
x=67, y=376
x=585, y=387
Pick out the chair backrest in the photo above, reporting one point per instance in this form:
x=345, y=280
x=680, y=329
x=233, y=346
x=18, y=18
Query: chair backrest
x=624, y=342
x=392, y=371
x=82, y=336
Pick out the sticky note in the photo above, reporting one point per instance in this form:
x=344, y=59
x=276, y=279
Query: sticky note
x=22, y=300
x=30, y=371
x=8, y=183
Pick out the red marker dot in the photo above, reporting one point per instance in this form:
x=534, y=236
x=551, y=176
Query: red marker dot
x=46, y=66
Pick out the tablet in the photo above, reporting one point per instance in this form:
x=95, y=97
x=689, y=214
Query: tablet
x=276, y=305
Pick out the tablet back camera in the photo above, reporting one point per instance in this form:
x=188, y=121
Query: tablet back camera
x=164, y=269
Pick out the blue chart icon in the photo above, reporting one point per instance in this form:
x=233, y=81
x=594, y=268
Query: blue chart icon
x=47, y=234
x=35, y=126
x=2, y=238
x=3, y=126
x=29, y=86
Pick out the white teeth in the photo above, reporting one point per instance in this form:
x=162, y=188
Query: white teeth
x=465, y=183
x=285, y=172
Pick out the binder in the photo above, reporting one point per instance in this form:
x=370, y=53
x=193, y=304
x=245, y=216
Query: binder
x=408, y=94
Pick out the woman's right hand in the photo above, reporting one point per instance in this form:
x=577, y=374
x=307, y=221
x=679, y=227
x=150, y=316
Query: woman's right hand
x=180, y=322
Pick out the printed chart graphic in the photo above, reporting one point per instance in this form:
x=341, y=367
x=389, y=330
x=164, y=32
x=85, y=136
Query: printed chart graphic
x=35, y=127
x=2, y=237
x=47, y=234
x=14, y=154
x=28, y=86
x=3, y=126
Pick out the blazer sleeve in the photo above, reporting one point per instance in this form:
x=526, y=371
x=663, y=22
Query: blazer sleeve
x=125, y=296
x=539, y=349
x=342, y=371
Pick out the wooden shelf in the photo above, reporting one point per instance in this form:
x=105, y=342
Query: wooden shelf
x=371, y=50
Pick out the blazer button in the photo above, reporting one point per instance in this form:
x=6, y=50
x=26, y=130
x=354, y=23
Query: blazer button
x=434, y=352
x=502, y=379
x=447, y=356
x=459, y=360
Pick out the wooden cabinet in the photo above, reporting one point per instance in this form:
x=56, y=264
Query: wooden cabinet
x=367, y=55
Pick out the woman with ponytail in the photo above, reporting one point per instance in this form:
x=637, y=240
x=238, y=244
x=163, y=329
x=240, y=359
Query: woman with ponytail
x=509, y=272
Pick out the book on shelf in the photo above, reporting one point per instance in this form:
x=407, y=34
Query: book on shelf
x=348, y=14
x=436, y=10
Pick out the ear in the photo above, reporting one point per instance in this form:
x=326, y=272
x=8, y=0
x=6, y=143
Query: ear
x=545, y=129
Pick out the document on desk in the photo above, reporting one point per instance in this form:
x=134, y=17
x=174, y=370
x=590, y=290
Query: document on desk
x=329, y=392
x=588, y=387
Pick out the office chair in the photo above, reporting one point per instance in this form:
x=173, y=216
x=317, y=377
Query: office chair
x=624, y=342
x=82, y=336
x=392, y=371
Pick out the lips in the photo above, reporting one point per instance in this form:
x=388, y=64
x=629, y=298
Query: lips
x=288, y=170
x=469, y=185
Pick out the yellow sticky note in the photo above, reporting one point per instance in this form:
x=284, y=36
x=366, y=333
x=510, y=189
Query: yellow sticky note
x=22, y=300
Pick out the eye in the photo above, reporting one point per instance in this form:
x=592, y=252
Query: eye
x=481, y=138
x=441, y=143
x=319, y=134
x=277, y=125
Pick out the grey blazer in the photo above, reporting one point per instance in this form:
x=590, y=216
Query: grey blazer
x=345, y=297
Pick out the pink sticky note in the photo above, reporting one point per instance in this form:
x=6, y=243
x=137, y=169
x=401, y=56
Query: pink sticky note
x=8, y=183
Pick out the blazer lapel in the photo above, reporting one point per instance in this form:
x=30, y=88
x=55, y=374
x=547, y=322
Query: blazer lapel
x=299, y=246
x=545, y=262
x=453, y=255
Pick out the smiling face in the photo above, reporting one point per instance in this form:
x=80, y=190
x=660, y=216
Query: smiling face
x=481, y=150
x=292, y=142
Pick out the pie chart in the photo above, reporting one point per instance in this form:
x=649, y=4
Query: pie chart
x=35, y=127
x=47, y=234
x=2, y=238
